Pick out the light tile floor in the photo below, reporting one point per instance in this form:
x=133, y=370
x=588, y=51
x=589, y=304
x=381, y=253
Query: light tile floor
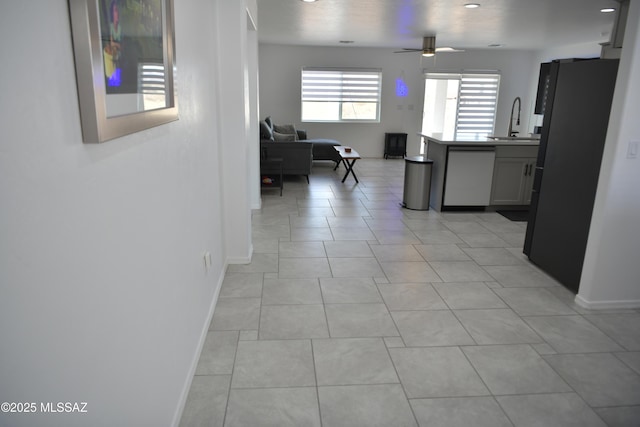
x=356, y=312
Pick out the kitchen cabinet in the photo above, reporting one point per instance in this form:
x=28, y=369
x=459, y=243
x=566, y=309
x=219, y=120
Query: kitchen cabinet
x=513, y=176
x=512, y=181
x=480, y=173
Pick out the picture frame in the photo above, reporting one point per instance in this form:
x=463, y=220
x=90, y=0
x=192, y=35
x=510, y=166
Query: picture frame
x=124, y=54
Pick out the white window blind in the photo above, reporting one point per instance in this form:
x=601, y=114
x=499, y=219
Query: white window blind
x=152, y=85
x=151, y=78
x=477, y=105
x=471, y=100
x=335, y=95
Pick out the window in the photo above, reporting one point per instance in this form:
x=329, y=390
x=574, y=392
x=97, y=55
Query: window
x=152, y=85
x=460, y=107
x=341, y=95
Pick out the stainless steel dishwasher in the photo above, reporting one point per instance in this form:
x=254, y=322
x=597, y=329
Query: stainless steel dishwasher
x=469, y=176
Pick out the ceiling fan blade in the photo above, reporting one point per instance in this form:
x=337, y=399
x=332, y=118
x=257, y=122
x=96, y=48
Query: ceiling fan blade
x=448, y=49
x=428, y=47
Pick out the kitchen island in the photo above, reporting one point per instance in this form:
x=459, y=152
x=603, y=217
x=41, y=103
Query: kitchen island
x=491, y=171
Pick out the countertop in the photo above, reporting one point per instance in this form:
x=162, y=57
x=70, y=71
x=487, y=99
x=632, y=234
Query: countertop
x=485, y=142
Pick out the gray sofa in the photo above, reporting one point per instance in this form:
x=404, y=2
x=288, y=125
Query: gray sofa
x=322, y=148
x=296, y=156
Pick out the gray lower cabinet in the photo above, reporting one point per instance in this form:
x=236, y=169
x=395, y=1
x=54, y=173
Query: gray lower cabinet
x=513, y=175
x=469, y=174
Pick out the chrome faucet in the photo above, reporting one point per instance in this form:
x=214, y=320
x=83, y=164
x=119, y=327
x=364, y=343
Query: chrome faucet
x=511, y=132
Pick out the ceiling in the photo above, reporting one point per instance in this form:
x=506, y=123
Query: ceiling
x=513, y=24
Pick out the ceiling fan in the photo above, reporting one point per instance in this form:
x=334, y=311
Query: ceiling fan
x=429, y=47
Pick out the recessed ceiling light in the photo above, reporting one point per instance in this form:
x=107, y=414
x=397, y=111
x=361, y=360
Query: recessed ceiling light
x=472, y=5
x=607, y=10
x=309, y=1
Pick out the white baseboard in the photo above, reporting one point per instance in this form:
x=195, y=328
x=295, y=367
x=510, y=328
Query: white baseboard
x=194, y=363
x=203, y=334
x=607, y=305
x=256, y=206
x=241, y=260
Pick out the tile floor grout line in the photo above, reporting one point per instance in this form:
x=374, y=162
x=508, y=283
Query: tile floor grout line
x=378, y=216
x=233, y=368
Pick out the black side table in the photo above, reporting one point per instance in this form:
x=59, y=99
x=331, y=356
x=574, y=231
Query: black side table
x=271, y=166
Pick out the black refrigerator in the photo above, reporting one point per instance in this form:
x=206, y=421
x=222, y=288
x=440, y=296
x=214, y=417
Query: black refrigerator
x=577, y=96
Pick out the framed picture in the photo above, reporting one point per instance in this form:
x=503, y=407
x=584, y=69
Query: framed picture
x=125, y=65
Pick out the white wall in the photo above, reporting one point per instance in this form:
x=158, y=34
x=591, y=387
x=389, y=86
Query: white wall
x=235, y=129
x=280, y=88
x=582, y=50
x=104, y=297
x=611, y=272
x=254, y=118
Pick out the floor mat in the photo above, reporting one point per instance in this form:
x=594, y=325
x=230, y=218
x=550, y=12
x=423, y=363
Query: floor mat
x=515, y=215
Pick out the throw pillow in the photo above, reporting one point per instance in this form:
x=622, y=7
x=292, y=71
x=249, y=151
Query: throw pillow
x=286, y=129
x=283, y=137
x=265, y=131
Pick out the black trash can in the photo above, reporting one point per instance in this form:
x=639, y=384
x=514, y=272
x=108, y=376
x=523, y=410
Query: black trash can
x=417, y=183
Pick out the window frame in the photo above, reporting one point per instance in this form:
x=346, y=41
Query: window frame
x=343, y=94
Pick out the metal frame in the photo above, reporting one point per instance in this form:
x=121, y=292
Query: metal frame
x=87, y=45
